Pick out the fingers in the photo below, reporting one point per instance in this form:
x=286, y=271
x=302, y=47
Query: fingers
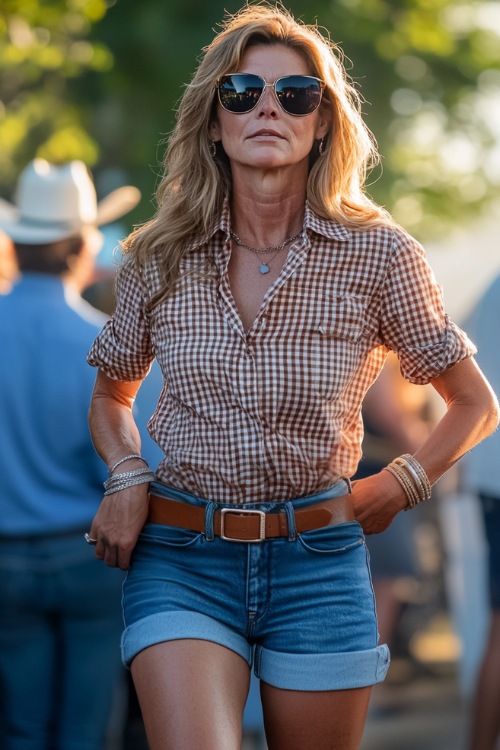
x=115, y=555
x=117, y=525
x=376, y=501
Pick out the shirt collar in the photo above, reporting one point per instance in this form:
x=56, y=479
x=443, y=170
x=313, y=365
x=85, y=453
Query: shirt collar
x=329, y=228
x=326, y=227
x=221, y=224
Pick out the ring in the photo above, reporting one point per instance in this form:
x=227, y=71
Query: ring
x=89, y=539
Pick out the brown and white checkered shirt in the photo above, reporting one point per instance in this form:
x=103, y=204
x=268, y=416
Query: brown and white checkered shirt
x=275, y=413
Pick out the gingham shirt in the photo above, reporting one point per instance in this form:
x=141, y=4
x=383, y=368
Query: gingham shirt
x=274, y=413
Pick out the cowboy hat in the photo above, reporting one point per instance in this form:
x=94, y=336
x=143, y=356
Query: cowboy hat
x=56, y=202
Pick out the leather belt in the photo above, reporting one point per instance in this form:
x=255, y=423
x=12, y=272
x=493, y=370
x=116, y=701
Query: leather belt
x=240, y=525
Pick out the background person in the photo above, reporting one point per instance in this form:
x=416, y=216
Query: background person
x=60, y=617
x=482, y=475
x=8, y=265
x=269, y=288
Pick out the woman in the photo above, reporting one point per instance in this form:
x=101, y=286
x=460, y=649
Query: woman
x=269, y=288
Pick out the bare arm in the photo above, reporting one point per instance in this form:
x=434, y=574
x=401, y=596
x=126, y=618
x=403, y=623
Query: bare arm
x=121, y=515
x=472, y=413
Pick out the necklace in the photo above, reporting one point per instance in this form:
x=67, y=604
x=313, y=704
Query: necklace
x=264, y=267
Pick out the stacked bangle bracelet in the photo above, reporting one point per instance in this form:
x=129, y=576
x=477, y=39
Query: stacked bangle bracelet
x=122, y=461
x=412, y=477
x=123, y=480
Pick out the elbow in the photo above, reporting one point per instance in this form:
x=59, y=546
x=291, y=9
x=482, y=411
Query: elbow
x=490, y=414
x=493, y=415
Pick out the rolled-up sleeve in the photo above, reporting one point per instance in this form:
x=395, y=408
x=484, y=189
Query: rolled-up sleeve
x=123, y=349
x=413, y=320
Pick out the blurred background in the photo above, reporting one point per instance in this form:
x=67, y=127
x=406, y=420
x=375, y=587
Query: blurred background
x=99, y=81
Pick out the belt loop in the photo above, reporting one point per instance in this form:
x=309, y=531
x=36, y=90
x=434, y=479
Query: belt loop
x=349, y=484
x=209, y=521
x=290, y=517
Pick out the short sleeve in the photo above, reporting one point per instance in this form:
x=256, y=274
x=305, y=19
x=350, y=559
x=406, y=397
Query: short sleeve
x=123, y=349
x=414, y=323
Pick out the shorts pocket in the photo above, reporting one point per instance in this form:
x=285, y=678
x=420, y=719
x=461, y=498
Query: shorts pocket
x=170, y=536
x=333, y=540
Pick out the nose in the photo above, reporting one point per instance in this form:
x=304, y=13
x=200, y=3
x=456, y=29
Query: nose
x=268, y=104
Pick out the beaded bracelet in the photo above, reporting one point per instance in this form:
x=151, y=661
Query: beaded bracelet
x=412, y=477
x=422, y=495
x=406, y=483
x=122, y=461
x=127, y=479
x=422, y=474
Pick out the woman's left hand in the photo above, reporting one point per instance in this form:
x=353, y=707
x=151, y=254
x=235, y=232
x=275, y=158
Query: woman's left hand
x=376, y=501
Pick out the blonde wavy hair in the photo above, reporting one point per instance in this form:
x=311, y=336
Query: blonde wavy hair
x=195, y=184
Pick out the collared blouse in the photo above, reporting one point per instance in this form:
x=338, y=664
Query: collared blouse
x=275, y=412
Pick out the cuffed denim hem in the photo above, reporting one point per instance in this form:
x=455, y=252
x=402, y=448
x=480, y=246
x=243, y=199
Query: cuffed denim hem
x=322, y=671
x=173, y=626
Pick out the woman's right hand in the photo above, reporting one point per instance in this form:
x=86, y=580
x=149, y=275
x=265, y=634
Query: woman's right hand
x=118, y=523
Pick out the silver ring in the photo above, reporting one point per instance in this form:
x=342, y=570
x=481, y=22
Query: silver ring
x=89, y=539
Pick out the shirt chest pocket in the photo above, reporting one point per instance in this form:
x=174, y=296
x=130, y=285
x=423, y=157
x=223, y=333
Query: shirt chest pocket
x=341, y=333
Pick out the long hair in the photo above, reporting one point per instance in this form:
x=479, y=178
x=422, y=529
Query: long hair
x=195, y=184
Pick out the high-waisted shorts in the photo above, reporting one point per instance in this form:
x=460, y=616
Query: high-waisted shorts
x=300, y=609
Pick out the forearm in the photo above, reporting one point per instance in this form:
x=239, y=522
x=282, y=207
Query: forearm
x=460, y=429
x=471, y=415
x=112, y=425
x=123, y=511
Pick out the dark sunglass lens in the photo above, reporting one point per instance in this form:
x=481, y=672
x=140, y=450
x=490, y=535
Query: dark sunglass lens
x=299, y=95
x=240, y=93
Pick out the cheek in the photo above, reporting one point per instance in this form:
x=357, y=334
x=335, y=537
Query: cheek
x=304, y=139
x=228, y=126
x=233, y=141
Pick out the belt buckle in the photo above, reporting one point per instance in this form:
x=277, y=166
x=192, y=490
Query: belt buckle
x=262, y=526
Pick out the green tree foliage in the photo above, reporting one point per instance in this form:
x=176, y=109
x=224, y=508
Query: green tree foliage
x=100, y=81
x=430, y=71
x=44, y=47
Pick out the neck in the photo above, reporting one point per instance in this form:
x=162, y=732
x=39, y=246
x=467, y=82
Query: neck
x=265, y=212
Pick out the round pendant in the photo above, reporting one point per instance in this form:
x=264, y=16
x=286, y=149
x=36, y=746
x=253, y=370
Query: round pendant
x=264, y=268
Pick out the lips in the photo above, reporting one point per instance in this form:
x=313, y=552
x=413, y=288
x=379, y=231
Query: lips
x=266, y=133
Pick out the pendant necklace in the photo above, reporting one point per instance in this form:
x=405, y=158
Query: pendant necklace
x=264, y=266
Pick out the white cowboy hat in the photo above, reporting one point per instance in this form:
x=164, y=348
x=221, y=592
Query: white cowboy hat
x=55, y=202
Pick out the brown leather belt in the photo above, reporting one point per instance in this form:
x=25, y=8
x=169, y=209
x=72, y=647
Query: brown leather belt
x=239, y=525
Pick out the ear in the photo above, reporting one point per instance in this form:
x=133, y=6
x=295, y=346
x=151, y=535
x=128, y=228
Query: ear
x=214, y=130
x=323, y=124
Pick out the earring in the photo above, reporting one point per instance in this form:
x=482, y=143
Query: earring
x=213, y=149
x=321, y=147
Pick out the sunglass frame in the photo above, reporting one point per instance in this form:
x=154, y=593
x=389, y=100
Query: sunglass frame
x=266, y=85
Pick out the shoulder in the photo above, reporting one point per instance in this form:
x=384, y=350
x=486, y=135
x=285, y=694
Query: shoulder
x=382, y=236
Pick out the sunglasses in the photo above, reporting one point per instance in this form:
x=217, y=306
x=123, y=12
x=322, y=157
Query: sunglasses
x=297, y=95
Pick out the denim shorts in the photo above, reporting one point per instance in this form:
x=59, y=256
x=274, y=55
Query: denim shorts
x=300, y=609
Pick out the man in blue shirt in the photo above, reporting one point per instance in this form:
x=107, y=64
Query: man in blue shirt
x=60, y=611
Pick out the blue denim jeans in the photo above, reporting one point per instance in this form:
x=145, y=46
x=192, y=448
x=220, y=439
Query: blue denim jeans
x=60, y=626
x=300, y=608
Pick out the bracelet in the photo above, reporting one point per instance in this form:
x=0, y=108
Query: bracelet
x=412, y=477
x=415, y=477
x=417, y=466
x=404, y=480
x=122, y=461
x=127, y=479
